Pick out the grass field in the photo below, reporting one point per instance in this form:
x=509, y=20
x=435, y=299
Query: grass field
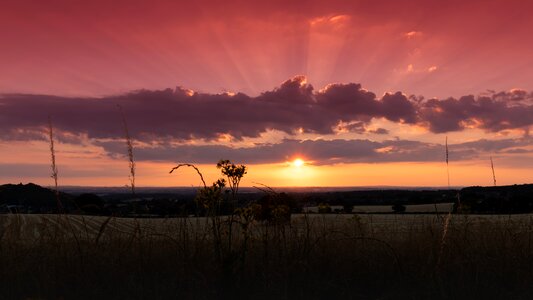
x=314, y=256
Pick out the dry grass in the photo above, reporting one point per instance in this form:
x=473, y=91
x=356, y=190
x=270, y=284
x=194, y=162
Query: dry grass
x=315, y=256
x=129, y=145
x=53, y=162
x=493, y=173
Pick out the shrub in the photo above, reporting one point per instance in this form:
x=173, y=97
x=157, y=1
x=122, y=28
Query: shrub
x=398, y=208
x=90, y=203
x=324, y=208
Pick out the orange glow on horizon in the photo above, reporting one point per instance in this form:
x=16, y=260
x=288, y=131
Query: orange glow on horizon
x=89, y=166
x=280, y=175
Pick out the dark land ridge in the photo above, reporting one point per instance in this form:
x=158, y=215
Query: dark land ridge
x=32, y=198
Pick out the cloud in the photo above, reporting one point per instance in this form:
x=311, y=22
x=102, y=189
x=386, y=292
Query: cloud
x=16, y=170
x=182, y=114
x=497, y=112
x=412, y=34
x=322, y=152
x=35, y=170
x=379, y=131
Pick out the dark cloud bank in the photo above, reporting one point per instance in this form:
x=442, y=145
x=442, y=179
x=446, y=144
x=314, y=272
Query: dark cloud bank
x=181, y=114
x=325, y=152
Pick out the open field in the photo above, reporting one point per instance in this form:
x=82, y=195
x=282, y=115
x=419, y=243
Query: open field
x=315, y=256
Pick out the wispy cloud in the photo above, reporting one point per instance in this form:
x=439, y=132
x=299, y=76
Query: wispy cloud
x=323, y=152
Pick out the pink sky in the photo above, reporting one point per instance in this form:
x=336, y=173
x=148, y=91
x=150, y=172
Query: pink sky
x=97, y=54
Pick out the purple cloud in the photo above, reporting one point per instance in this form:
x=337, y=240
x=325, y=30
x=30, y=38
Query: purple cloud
x=505, y=110
x=181, y=114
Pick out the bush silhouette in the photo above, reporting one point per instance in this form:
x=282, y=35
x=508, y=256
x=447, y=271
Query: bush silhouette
x=398, y=208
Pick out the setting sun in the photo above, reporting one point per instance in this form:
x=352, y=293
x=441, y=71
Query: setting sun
x=298, y=163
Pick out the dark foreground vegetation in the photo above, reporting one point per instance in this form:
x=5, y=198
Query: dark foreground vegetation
x=311, y=256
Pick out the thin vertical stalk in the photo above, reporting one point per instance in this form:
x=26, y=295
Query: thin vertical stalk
x=493, y=173
x=447, y=163
x=53, y=163
x=129, y=145
x=443, y=239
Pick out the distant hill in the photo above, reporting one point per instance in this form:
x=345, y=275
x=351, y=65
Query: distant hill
x=496, y=200
x=31, y=197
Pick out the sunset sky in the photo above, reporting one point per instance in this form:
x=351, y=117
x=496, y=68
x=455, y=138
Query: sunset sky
x=364, y=93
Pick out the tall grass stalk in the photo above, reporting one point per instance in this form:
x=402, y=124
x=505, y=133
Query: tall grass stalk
x=212, y=211
x=443, y=238
x=129, y=144
x=447, y=163
x=190, y=166
x=60, y=207
x=493, y=173
x=53, y=163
